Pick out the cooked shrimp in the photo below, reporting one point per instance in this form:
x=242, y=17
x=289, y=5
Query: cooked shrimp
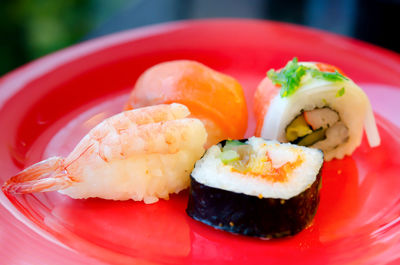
x=214, y=98
x=141, y=154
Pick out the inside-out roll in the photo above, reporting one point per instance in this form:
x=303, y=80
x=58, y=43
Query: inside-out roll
x=315, y=105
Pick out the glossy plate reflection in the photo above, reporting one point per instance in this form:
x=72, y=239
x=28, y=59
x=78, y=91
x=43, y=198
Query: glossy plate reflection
x=50, y=104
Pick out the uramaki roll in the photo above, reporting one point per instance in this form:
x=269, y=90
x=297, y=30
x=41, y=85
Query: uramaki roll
x=316, y=105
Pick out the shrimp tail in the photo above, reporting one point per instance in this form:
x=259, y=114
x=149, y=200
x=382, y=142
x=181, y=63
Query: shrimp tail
x=47, y=175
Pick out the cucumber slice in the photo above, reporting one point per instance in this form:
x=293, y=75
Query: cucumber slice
x=230, y=144
x=229, y=156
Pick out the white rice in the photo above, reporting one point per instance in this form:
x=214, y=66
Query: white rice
x=212, y=172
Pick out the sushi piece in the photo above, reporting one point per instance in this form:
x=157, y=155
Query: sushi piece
x=315, y=105
x=214, y=98
x=256, y=187
x=143, y=154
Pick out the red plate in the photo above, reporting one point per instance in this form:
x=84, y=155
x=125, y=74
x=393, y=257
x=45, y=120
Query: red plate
x=48, y=105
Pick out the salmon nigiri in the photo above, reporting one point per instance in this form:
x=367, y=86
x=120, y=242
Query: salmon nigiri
x=214, y=98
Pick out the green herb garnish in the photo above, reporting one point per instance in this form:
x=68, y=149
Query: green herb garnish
x=289, y=77
x=340, y=92
x=328, y=76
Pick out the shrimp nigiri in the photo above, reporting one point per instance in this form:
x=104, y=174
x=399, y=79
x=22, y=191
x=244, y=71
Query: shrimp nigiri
x=141, y=154
x=214, y=98
x=316, y=105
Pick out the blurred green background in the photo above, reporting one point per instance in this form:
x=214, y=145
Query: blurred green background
x=32, y=28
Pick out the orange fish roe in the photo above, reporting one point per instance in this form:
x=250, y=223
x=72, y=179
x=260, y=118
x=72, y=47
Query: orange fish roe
x=328, y=68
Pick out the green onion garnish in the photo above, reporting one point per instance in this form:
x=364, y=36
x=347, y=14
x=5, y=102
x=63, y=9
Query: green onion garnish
x=289, y=77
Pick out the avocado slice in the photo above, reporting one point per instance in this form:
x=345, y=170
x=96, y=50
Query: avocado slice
x=312, y=138
x=297, y=128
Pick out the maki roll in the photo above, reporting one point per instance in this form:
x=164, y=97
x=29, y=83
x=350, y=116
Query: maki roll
x=315, y=105
x=256, y=187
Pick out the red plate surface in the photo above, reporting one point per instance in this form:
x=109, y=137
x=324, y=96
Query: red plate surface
x=48, y=105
